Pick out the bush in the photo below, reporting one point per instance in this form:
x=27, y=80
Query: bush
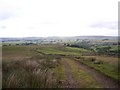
x=92, y=59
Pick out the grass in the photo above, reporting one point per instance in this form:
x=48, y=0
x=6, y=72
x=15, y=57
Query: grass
x=20, y=50
x=60, y=74
x=24, y=66
x=36, y=71
x=28, y=73
x=109, y=65
x=33, y=72
x=63, y=50
x=10, y=53
x=85, y=80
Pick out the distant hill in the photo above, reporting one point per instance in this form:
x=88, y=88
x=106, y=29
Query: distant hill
x=96, y=37
x=60, y=38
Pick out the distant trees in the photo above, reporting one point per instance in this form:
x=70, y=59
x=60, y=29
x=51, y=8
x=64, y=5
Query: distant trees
x=105, y=39
x=83, y=44
x=104, y=50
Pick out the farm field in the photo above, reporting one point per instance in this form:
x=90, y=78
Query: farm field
x=57, y=66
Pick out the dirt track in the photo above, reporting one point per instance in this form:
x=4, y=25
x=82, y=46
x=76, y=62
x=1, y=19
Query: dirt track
x=104, y=80
x=70, y=82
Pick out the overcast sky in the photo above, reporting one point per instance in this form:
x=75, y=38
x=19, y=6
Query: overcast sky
x=42, y=18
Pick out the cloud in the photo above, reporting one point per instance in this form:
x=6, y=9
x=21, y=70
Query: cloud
x=3, y=27
x=57, y=17
x=6, y=15
x=107, y=25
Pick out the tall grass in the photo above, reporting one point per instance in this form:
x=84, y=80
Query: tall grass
x=30, y=73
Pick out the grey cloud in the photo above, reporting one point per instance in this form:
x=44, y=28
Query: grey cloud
x=3, y=27
x=108, y=25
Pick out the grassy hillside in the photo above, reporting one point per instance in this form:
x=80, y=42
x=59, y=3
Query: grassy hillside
x=53, y=66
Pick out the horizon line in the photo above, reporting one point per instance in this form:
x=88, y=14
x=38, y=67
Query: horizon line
x=64, y=36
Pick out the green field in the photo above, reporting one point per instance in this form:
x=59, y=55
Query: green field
x=63, y=50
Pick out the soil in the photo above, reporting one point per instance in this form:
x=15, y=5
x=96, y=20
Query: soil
x=70, y=82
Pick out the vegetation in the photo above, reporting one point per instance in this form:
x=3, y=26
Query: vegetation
x=31, y=65
x=63, y=51
x=106, y=65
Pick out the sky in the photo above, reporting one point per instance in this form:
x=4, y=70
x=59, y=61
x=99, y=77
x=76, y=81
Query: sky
x=43, y=18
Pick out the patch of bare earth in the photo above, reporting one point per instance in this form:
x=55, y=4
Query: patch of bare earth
x=70, y=82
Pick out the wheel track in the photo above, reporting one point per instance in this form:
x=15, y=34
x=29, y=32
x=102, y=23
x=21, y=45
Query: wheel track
x=105, y=81
x=70, y=82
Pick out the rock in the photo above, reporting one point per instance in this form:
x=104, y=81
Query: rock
x=98, y=62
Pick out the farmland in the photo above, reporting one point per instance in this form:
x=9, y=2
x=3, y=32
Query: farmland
x=57, y=66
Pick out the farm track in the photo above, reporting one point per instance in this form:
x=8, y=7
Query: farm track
x=104, y=80
x=70, y=82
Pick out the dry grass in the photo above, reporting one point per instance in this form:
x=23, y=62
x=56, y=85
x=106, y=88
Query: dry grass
x=30, y=73
x=110, y=60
